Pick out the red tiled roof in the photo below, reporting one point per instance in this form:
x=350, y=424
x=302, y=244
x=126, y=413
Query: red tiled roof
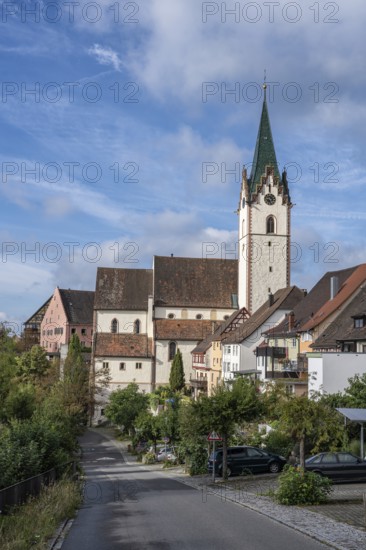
x=195, y=282
x=349, y=287
x=184, y=329
x=126, y=289
x=122, y=345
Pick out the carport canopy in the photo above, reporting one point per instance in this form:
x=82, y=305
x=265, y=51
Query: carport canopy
x=359, y=416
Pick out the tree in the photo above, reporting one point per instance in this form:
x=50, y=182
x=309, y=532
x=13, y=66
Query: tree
x=33, y=365
x=355, y=393
x=304, y=418
x=75, y=382
x=125, y=405
x=229, y=406
x=176, y=377
x=148, y=427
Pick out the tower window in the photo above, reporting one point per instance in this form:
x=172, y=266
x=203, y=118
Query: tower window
x=270, y=269
x=136, y=326
x=114, y=326
x=172, y=350
x=270, y=225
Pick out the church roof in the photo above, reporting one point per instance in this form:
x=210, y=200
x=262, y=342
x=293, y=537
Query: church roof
x=78, y=305
x=184, y=329
x=126, y=289
x=264, y=154
x=122, y=345
x=195, y=282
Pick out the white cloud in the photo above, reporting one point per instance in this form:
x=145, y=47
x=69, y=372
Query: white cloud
x=105, y=56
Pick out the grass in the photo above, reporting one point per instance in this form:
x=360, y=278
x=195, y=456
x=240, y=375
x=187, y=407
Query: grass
x=34, y=523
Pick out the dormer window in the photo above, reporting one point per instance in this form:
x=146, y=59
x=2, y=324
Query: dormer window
x=359, y=322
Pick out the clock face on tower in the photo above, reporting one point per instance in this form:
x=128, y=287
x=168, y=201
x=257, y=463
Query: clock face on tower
x=269, y=199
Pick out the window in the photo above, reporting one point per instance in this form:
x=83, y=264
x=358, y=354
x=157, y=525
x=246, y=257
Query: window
x=136, y=326
x=114, y=326
x=270, y=269
x=139, y=365
x=73, y=330
x=226, y=317
x=122, y=366
x=105, y=365
x=83, y=331
x=270, y=225
x=171, y=316
x=294, y=342
x=228, y=349
x=172, y=350
x=359, y=323
x=253, y=452
x=347, y=457
x=199, y=316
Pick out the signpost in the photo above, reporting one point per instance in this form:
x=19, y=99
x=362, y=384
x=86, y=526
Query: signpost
x=213, y=436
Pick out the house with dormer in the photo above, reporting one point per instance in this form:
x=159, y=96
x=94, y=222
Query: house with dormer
x=340, y=351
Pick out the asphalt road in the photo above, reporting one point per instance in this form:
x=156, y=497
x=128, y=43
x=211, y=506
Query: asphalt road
x=127, y=507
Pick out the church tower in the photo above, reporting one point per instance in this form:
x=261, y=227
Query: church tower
x=264, y=223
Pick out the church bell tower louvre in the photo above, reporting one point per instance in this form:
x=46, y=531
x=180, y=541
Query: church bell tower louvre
x=264, y=223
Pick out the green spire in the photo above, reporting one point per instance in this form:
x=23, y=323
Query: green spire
x=264, y=154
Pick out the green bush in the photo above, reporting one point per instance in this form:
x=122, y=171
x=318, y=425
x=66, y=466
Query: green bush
x=148, y=458
x=297, y=486
x=279, y=443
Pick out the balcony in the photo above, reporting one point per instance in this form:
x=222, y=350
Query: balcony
x=269, y=351
x=198, y=383
x=292, y=369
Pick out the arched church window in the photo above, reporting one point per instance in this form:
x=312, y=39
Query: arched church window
x=136, y=326
x=270, y=225
x=172, y=350
x=114, y=326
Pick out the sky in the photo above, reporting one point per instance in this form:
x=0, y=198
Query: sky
x=124, y=127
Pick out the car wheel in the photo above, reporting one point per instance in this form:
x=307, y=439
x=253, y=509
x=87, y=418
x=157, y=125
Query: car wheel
x=228, y=471
x=274, y=467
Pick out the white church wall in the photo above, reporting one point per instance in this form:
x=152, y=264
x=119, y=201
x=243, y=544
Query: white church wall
x=163, y=365
x=126, y=320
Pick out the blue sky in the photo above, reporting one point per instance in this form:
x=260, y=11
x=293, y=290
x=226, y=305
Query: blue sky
x=109, y=160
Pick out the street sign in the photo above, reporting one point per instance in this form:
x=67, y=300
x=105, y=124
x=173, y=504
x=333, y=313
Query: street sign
x=213, y=436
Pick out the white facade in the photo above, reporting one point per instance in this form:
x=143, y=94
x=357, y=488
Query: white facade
x=241, y=357
x=163, y=365
x=263, y=253
x=125, y=319
x=329, y=372
x=192, y=313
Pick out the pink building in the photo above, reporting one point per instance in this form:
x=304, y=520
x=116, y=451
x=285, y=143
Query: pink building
x=69, y=312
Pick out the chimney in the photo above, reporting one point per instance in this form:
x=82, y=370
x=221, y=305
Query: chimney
x=334, y=287
x=291, y=321
x=270, y=299
x=304, y=291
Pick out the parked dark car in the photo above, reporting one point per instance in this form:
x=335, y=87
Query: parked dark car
x=340, y=466
x=246, y=459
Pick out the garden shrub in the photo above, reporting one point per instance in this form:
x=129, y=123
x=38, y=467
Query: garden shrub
x=297, y=486
x=148, y=458
x=279, y=443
